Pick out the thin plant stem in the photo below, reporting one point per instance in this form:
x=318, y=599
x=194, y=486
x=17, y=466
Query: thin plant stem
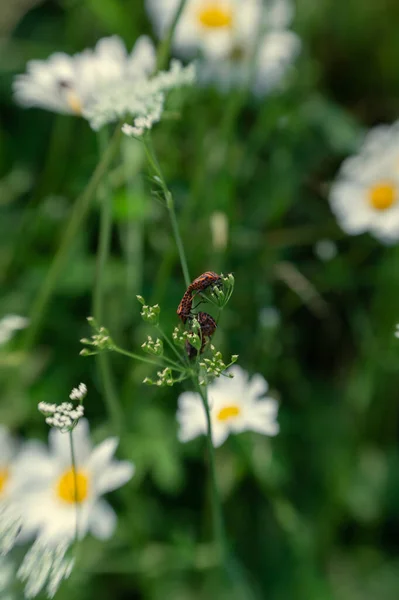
x=75, y=483
x=217, y=513
x=78, y=214
x=152, y=159
x=149, y=361
x=132, y=232
x=104, y=242
x=164, y=46
x=110, y=396
x=104, y=239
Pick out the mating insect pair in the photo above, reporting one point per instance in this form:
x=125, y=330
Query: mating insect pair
x=206, y=322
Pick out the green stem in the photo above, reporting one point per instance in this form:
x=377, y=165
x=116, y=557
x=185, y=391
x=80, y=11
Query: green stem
x=148, y=360
x=104, y=242
x=217, y=513
x=79, y=212
x=164, y=47
x=110, y=396
x=132, y=231
x=152, y=159
x=75, y=483
x=183, y=261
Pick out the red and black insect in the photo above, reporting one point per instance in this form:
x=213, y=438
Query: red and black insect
x=185, y=306
x=207, y=329
x=204, y=281
x=198, y=285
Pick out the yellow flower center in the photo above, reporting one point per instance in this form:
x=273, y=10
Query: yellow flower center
x=74, y=102
x=382, y=195
x=73, y=487
x=215, y=15
x=3, y=480
x=228, y=412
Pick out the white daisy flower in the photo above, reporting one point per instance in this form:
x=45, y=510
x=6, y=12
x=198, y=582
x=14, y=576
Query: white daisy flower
x=236, y=405
x=365, y=194
x=9, y=325
x=67, y=84
x=226, y=33
x=49, y=506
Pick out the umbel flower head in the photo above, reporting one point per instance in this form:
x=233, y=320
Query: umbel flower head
x=365, y=194
x=230, y=35
x=68, y=84
x=236, y=404
x=58, y=495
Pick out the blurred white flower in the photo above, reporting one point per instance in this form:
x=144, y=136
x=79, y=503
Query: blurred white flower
x=145, y=123
x=269, y=317
x=227, y=33
x=67, y=84
x=141, y=98
x=219, y=224
x=49, y=504
x=365, y=194
x=325, y=249
x=236, y=405
x=9, y=325
x=45, y=565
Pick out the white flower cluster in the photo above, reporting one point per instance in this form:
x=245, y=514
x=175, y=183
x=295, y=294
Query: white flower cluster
x=45, y=566
x=64, y=416
x=9, y=325
x=142, y=98
x=68, y=84
x=104, y=84
x=78, y=393
x=145, y=123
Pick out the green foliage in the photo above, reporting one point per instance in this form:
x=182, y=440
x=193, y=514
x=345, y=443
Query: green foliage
x=313, y=514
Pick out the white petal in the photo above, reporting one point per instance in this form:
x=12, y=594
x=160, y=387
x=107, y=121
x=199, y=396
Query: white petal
x=103, y=520
x=101, y=456
x=257, y=386
x=116, y=475
x=142, y=60
x=279, y=13
x=220, y=433
x=261, y=417
x=8, y=446
x=190, y=416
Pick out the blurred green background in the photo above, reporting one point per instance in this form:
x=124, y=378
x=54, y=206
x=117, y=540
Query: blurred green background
x=312, y=514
